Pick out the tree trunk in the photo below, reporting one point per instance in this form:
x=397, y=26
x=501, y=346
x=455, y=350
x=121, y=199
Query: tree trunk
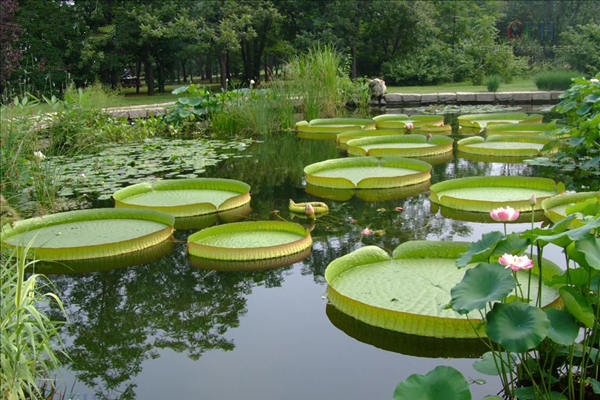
x=149, y=76
x=161, y=76
x=224, y=72
x=209, y=75
x=354, y=69
x=138, y=71
x=183, y=71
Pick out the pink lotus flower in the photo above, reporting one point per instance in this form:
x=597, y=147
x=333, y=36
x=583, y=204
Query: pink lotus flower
x=515, y=262
x=409, y=125
x=309, y=210
x=507, y=214
x=399, y=209
x=366, y=232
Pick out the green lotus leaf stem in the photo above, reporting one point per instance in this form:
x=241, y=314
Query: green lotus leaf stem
x=483, y=194
x=367, y=172
x=504, y=146
x=249, y=241
x=83, y=234
x=406, y=292
x=184, y=198
x=400, y=145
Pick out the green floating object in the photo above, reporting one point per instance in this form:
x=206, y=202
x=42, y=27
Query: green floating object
x=483, y=194
x=367, y=172
x=100, y=264
x=503, y=146
x=400, y=145
x=433, y=130
x=189, y=200
x=399, y=121
x=408, y=291
x=482, y=217
x=240, y=242
x=89, y=234
x=319, y=207
x=368, y=195
x=522, y=129
x=250, y=265
x=410, y=345
x=344, y=137
x=483, y=120
x=557, y=208
x=328, y=128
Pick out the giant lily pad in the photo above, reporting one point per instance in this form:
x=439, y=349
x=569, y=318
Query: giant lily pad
x=185, y=198
x=345, y=136
x=522, y=129
x=241, y=242
x=86, y=234
x=483, y=120
x=399, y=121
x=411, y=345
x=483, y=194
x=400, y=145
x=369, y=195
x=483, y=217
x=556, y=208
x=503, y=146
x=367, y=172
x=408, y=292
x=328, y=128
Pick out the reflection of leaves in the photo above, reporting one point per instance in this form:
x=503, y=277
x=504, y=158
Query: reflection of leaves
x=118, y=318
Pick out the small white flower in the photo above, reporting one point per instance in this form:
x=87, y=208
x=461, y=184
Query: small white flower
x=82, y=175
x=252, y=81
x=39, y=156
x=594, y=80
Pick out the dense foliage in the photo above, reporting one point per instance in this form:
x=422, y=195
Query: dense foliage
x=48, y=44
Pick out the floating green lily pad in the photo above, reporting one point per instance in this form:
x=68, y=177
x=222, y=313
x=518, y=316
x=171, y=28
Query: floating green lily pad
x=409, y=291
x=367, y=172
x=369, y=195
x=250, y=241
x=403, y=343
x=399, y=121
x=318, y=207
x=344, y=137
x=483, y=194
x=483, y=120
x=85, y=234
x=503, y=146
x=185, y=198
x=522, y=129
x=400, y=145
x=483, y=217
x=328, y=128
x=555, y=208
x=248, y=265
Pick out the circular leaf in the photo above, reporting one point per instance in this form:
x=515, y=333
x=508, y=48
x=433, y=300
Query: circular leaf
x=517, y=326
x=481, y=285
x=441, y=383
x=563, y=328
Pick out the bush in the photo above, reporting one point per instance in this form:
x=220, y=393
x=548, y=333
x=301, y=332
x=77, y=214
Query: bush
x=426, y=67
x=555, y=80
x=493, y=83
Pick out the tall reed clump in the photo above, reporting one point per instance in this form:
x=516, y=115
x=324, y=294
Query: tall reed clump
x=28, y=336
x=318, y=80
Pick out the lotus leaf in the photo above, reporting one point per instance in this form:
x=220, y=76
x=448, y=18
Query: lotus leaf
x=555, y=208
x=84, y=234
x=400, y=145
x=255, y=240
x=563, y=328
x=367, y=172
x=482, y=285
x=483, y=120
x=517, y=326
x=442, y=383
x=328, y=128
x=343, y=137
x=483, y=194
x=399, y=121
x=503, y=146
x=370, y=195
x=522, y=129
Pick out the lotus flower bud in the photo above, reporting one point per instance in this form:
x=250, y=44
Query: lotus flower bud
x=409, y=125
x=532, y=200
x=366, y=232
x=309, y=210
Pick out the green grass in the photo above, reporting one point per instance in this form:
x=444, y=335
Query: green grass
x=520, y=84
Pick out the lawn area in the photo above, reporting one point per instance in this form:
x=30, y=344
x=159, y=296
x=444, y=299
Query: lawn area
x=520, y=84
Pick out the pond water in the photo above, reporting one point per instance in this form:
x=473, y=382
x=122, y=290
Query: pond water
x=170, y=330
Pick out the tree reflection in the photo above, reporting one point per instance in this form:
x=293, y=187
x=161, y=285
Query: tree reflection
x=120, y=318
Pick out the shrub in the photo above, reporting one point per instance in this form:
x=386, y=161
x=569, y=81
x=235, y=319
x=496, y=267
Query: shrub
x=555, y=80
x=428, y=66
x=27, y=334
x=580, y=48
x=493, y=83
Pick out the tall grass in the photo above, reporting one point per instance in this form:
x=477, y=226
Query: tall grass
x=555, y=80
x=27, y=334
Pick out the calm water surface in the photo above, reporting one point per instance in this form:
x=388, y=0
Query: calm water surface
x=167, y=330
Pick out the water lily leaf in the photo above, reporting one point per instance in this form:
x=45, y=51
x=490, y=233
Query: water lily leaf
x=481, y=285
x=441, y=383
x=589, y=246
x=525, y=393
x=563, y=327
x=562, y=237
x=480, y=250
x=517, y=326
x=577, y=305
x=594, y=384
x=486, y=364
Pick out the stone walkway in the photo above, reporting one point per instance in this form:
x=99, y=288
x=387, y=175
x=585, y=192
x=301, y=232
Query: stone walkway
x=411, y=99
